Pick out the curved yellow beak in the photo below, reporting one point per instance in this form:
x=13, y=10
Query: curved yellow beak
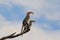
x=30, y=12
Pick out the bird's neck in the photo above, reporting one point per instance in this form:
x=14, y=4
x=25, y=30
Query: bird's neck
x=27, y=16
x=30, y=23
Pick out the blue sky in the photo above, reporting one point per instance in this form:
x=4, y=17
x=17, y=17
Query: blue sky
x=46, y=14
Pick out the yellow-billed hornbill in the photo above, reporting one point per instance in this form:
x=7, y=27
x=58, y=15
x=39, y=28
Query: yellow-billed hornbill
x=27, y=28
x=25, y=21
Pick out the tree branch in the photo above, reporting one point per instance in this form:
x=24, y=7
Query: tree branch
x=13, y=36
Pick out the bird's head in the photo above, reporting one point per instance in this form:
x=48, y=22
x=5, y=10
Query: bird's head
x=32, y=21
x=29, y=12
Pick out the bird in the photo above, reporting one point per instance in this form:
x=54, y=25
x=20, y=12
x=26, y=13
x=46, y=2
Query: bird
x=25, y=21
x=27, y=28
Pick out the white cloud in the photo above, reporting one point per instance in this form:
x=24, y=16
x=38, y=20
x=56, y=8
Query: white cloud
x=34, y=34
x=46, y=26
x=25, y=3
x=1, y=17
x=3, y=21
x=54, y=16
x=6, y=3
x=37, y=7
x=30, y=3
